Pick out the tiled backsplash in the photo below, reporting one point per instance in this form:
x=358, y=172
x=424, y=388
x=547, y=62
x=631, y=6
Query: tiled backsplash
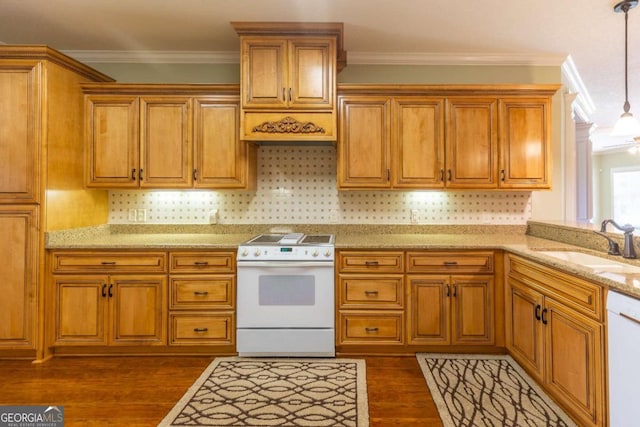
x=298, y=186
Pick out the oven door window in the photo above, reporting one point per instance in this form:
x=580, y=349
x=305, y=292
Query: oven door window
x=286, y=290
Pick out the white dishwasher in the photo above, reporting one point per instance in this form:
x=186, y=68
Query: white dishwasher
x=624, y=360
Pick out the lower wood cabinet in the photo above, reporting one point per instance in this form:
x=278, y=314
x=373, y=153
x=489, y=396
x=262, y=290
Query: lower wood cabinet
x=446, y=308
x=555, y=330
x=202, y=299
x=450, y=310
x=370, y=290
x=110, y=310
x=177, y=301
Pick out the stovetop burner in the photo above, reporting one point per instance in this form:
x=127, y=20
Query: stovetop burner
x=291, y=239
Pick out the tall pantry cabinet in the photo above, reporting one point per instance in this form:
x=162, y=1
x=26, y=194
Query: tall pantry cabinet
x=41, y=181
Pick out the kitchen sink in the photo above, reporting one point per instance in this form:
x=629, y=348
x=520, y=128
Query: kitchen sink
x=593, y=262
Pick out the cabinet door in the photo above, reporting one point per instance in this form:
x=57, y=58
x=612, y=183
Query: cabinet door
x=220, y=159
x=523, y=326
x=112, y=141
x=166, y=150
x=364, y=148
x=574, y=361
x=19, y=131
x=18, y=276
x=472, y=310
x=312, y=65
x=264, y=72
x=525, y=142
x=429, y=309
x=472, y=158
x=80, y=309
x=138, y=310
x=418, y=143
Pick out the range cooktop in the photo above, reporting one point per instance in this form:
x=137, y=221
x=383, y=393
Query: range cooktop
x=291, y=239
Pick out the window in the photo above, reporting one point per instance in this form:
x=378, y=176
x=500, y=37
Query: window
x=625, y=194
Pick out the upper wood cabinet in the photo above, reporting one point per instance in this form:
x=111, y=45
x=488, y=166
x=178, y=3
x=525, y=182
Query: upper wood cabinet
x=19, y=136
x=525, y=142
x=472, y=143
x=458, y=137
x=288, y=80
x=365, y=142
x=159, y=139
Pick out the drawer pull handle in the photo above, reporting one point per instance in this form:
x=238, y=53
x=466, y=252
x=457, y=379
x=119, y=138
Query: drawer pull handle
x=371, y=293
x=371, y=263
x=455, y=290
x=110, y=290
x=201, y=263
x=200, y=293
x=450, y=263
x=133, y=174
x=448, y=290
x=537, y=312
x=626, y=316
x=108, y=263
x=104, y=290
x=200, y=329
x=544, y=316
x=371, y=330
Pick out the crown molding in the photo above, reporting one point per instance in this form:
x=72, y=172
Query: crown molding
x=419, y=58
x=370, y=58
x=583, y=105
x=155, y=56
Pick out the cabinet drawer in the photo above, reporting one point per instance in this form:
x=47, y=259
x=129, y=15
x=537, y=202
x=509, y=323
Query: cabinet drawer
x=371, y=262
x=202, y=262
x=381, y=327
x=107, y=262
x=374, y=291
x=450, y=262
x=201, y=328
x=198, y=292
x=583, y=296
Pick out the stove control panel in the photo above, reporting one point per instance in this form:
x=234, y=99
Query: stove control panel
x=286, y=253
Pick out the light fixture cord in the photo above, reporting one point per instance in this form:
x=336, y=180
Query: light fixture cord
x=626, y=107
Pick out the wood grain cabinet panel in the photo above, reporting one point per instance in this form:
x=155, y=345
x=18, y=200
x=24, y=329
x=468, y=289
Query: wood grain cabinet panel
x=97, y=310
x=365, y=142
x=202, y=302
x=557, y=339
x=288, y=80
x=525, y=143
x=169, y=136
x=379, y=291
x=472, y=143
x=370, y=262
x=120, y=262
x=450, y=310
x=19, y=131
x=112, y=141
x=202, y=328
x=18, y=276
x=380, y=327
x=418, y=142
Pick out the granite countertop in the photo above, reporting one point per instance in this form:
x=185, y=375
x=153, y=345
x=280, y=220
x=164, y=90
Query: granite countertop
x=510, y=239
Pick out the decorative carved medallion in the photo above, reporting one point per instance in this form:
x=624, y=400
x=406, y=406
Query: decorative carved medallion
x=288, y=125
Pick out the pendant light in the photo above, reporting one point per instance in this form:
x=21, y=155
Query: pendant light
x=626, y=124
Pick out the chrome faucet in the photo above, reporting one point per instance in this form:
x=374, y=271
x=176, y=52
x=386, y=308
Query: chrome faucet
x=629, y=251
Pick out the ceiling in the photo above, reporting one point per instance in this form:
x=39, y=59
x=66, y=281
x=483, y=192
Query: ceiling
x=488, y=31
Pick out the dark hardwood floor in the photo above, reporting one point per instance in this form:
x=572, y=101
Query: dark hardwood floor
x=139, y=391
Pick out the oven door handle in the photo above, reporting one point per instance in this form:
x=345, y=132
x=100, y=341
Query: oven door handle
x=285, y=264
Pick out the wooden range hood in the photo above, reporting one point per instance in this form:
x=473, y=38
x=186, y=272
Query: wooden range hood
x=288, y=81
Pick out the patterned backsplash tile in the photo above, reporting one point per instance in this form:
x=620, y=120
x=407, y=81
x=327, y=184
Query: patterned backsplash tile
x=298, y=186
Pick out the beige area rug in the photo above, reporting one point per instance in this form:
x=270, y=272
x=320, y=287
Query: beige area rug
x=235, y=391
x=485, y=390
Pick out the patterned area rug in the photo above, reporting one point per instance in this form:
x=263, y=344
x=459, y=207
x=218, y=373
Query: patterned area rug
x=235, y=391
x=484, y=390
